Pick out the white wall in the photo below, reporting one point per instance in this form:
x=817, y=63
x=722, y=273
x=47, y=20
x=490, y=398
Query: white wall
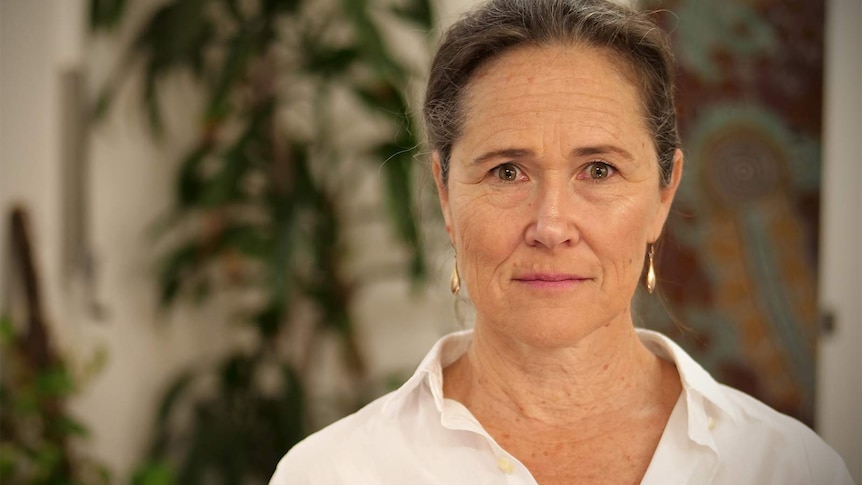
x=839, y=373
x=29, y=142
x=130, y=184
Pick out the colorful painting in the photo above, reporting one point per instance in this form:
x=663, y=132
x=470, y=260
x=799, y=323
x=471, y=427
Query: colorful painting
x=738, y=263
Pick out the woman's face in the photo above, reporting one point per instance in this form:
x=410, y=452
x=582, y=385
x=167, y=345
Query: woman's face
x=553, y=193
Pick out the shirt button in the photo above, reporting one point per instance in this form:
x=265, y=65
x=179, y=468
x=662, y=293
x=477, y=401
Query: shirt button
x=711, y=423
x=505, y=465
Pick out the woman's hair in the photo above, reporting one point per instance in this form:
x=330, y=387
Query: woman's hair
x=501, y=25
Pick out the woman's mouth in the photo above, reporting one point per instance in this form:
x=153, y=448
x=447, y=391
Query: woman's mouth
x=550, y=280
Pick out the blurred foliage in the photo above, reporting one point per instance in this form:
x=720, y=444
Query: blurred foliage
x=262, y=202
x=36, y=432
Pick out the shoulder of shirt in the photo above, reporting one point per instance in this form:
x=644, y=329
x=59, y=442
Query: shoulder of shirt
x=750, y=417
x=791, y=443
x=731, y=402
x=801, y=447
x=311, y=460
x=319, y=457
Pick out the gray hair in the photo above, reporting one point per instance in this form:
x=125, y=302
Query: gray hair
x=501, y=25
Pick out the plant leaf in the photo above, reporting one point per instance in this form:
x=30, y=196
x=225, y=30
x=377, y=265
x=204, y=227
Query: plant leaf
x=174, y=270
x=274, y=7
x=241, y=50
x=106, y=14
x=330, y=62
x=369, y=39
x=418, y=12
x=155, y=472
x=190, y=183
x=173, y=38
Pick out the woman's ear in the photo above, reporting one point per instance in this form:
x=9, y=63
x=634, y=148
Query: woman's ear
x=675, y=176
x=442, y=190
x=668, y=193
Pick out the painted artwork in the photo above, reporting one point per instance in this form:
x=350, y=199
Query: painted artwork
x=738, y=264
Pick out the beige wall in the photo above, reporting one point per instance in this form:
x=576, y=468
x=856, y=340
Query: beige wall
x=839, y=373
x=130, y=183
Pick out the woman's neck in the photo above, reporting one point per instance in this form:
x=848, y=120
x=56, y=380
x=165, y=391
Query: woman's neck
x=608, y=373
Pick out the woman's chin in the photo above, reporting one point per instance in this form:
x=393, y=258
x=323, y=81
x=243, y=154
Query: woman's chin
x=543, y=327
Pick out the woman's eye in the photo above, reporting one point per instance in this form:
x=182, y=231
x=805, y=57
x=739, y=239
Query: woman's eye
x=599, y=170
x=507, y=172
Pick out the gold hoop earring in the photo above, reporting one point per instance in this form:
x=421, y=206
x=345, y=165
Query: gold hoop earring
x=650, y=276
x=455, y=280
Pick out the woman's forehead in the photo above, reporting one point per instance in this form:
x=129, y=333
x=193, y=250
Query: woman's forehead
x=535, y=87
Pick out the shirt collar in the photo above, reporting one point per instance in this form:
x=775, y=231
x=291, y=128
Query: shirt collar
x=448, y=349
x=694, y=377
x=705, y=397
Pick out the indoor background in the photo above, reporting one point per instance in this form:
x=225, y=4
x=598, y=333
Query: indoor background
x=157, y=281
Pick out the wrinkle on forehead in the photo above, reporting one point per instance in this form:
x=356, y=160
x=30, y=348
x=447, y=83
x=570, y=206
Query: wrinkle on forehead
x=520, y=74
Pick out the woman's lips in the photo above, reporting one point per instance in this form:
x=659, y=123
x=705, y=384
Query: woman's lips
x=550, y=280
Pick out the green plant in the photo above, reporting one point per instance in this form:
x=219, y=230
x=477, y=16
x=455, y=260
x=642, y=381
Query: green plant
x=35, y=429
x=263, y=200
x=37, y=434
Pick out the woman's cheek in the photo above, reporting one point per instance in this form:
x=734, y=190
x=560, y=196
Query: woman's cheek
x=619, y=233
x=486, y=235
x=473, y=224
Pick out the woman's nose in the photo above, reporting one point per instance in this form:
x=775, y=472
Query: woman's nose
x=553, y=223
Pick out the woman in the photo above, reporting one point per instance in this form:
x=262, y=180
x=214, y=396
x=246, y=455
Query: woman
x=556, y=158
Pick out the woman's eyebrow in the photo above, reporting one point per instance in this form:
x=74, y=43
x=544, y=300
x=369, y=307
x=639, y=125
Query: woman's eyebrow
x=504, y=153
x=600, y=150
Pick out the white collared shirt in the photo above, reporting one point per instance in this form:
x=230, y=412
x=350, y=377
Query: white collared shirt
x=414, y=436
